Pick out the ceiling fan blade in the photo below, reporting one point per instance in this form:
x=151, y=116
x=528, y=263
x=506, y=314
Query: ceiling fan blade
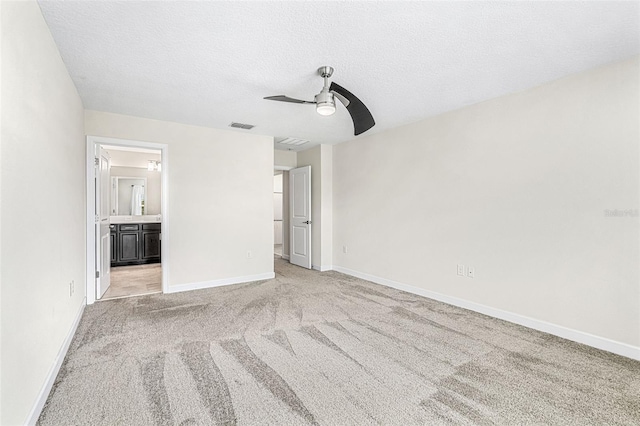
x=362, y=118
x=283, y=98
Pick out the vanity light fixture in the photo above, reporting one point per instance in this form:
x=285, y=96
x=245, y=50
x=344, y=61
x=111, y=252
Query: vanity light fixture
x=154, y=166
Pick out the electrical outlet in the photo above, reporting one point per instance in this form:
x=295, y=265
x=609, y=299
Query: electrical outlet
x=249, y=254
x=461, y=270
x=471, y=272
x=344, y=249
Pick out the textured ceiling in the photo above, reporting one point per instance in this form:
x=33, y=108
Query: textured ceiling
x=211, y=63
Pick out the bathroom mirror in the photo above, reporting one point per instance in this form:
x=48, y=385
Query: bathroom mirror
x=128, y=196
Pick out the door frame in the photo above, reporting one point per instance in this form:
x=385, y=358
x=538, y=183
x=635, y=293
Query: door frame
x=92, y=141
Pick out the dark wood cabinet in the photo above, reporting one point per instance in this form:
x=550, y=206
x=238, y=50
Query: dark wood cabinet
x=135, y=243
x=150, y=245
x=128, y=246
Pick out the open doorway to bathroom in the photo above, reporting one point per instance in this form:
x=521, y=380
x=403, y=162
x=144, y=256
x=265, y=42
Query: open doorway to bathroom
x=127, y=221
x=135, y=177
x=278, y=213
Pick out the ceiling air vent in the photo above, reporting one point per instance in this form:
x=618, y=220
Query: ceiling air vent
x=293, y=141
x=242, y=126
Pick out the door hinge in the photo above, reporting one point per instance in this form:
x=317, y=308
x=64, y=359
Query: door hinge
x=97, y=274
x=97, y=219
x=97, y=161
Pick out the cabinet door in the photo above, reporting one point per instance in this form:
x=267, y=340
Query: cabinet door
x=150, y=245
x=114, y=247
x=128, y=247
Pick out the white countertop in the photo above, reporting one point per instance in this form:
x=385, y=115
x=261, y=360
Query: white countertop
x=151, y=218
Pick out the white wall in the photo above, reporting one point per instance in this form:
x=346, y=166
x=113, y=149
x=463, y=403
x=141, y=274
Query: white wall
x=516, y=187
x=326, y=207
x=42, y=217
x=220, y=196
x=153, y=189
x=284, y=158
x=320, y=158
x=1, y=41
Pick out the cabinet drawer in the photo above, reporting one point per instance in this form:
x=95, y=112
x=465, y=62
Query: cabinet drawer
x=151, y=226
x=131, y=227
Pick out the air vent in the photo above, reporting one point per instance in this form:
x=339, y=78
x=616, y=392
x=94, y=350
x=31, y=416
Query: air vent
x=242, y=126
x=293, y=141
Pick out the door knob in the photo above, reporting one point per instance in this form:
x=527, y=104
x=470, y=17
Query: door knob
x=308, y=222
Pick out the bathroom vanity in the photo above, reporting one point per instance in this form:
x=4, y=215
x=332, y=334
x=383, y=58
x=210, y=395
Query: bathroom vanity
x=135, y=243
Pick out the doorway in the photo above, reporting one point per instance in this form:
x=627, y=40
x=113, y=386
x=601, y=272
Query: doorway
x=278, y=213
x=281, y=211
x=126, y=207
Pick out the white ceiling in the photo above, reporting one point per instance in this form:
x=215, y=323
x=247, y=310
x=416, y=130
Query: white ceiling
x=211, y=63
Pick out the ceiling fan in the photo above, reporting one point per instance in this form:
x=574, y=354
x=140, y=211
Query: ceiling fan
x=326, y=104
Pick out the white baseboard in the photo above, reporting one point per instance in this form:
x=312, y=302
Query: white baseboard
x=55, y=368
x=218, y=283
x=598, y=342
x=285, y=256
x=322, y=268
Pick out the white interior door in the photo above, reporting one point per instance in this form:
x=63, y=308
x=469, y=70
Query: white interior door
x=103, y=232
x=300, y=208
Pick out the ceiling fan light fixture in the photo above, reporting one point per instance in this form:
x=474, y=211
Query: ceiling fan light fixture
x=326, y=108
x=325, y=103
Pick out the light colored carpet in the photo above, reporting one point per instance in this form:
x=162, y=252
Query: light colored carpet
x=326, y=348
x=134, y=280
